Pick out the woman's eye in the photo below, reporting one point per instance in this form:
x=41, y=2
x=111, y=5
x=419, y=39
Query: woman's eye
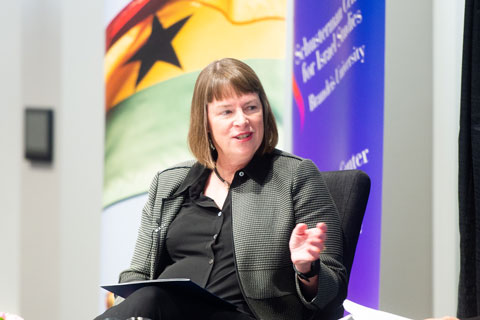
x=226, y=112
x=252, y=108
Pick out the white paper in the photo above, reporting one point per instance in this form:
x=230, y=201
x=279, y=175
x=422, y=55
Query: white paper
x=359, y=312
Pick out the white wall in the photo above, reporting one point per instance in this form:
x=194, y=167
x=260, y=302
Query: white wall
x=40, y=185
x=406, y=254
x=53, y=57
x=81, y=157
x=10, y=153
x=448, y=16
x=419, y=264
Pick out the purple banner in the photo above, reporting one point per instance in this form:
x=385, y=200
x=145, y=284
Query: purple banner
x=338, y=88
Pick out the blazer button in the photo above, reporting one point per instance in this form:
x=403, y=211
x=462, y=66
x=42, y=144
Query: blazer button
x=210, y=261
x=241, y=173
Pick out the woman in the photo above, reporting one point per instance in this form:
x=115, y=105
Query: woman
x=245, y=221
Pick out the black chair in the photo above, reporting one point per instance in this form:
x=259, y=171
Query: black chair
x=350, y=190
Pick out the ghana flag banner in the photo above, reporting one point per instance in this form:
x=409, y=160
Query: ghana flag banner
x=338, y=109
x=154, y=52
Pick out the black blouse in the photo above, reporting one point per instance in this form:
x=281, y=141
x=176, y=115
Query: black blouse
x=199, y=243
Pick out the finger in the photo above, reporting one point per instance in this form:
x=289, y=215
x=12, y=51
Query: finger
x=300, y=229
x=316, y=243
x=316, y=233
x=323, y=232
x=322, y=226
x=314, y=253
x=319, y=244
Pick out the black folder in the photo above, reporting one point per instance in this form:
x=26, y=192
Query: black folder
x=183, y=286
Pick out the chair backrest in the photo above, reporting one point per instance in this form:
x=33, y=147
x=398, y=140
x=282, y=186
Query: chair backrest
x=350, y=190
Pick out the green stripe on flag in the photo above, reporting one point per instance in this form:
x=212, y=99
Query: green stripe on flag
x=148, y=131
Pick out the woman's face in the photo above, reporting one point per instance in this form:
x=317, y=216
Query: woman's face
x=236, y=128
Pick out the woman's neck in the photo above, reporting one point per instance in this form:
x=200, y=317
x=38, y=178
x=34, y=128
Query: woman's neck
x=227, y=170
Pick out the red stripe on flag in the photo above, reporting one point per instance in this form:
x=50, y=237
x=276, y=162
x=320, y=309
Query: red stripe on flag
x=132, y=14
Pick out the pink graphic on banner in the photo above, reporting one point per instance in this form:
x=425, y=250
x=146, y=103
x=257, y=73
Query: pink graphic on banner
x=297, y=95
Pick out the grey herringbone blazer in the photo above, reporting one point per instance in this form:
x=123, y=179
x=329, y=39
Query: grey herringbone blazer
x=264, y=213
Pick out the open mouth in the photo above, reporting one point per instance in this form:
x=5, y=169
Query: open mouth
x=243, y=136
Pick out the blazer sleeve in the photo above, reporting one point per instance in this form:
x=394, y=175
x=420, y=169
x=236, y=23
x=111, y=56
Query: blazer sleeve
x=312, y=204
x=140, y=265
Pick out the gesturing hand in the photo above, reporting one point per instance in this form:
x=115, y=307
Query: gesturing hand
x=307, y=244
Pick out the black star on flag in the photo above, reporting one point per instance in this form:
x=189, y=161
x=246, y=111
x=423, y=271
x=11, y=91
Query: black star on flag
x=158, y=47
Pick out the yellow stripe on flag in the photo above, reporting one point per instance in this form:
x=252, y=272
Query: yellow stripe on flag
x=216, y=29
x=244, y=11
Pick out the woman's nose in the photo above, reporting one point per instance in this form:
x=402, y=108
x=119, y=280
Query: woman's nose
x=240, y=119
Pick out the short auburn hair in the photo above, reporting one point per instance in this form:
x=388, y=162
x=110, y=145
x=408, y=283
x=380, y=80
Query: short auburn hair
x=220, y=80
